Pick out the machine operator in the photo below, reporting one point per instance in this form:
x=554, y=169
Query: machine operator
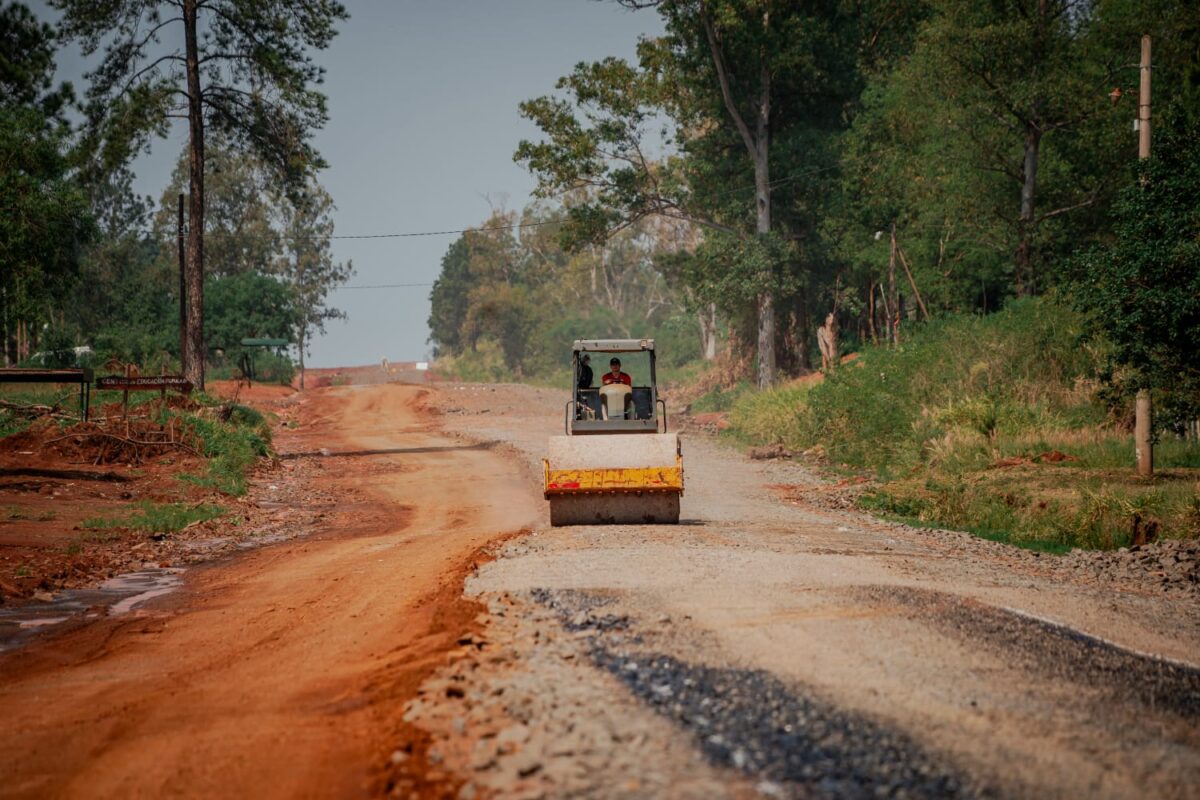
x=615, y=375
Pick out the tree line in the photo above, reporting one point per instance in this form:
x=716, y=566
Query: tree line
x=862, y=166
x=510, y=295
x=85, y=259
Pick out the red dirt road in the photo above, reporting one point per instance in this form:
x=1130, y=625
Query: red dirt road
x=283, y=672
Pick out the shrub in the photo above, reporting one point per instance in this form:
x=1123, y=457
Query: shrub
x=1005, y=374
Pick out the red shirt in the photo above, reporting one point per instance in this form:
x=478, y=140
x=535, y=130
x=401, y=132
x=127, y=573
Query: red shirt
x=622, y=378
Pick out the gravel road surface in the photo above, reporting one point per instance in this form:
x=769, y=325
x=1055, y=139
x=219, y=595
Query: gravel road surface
x=810, y=651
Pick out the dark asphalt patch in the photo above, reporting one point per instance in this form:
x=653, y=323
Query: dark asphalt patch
x=753, y=722
x=1054, y=650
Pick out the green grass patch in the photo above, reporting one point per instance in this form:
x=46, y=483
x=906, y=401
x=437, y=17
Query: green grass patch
x=722, y=399
x=156, y=518
x=1046, y=508
x=11, y=422
x=232, y=437
x=779, y=416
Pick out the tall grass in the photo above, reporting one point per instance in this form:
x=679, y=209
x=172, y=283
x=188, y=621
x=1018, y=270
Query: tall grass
x=233, y=437
x=991, y=424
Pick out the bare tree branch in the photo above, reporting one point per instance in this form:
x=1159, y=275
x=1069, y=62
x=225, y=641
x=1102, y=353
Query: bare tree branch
x=723, y=78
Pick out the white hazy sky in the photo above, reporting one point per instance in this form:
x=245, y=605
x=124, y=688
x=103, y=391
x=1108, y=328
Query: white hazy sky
x=423, y=123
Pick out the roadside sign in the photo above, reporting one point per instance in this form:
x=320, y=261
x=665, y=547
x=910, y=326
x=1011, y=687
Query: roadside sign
x=144, y=382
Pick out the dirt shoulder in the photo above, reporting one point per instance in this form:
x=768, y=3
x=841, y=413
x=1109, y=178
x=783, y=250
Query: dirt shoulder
x=806, y=650
x=281, y=672
x=81, y=504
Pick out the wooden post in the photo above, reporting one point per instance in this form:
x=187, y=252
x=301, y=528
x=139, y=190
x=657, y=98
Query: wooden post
x=912, y=282
x=1143, y=427
x=125, y=395
x=182, y=292
x=893, y=298
x=871, y=311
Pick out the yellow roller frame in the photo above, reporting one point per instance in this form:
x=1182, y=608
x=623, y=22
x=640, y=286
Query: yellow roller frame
x=643, y=479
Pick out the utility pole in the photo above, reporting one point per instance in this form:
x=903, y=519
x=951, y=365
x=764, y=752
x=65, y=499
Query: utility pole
x=182, y=292
x=1143, y=427
x=893, y=309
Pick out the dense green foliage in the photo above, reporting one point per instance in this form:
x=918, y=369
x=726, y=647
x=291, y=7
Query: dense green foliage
x=78, y=266
x=44, y=214
x=991, y=138
x=240, y=70
x=1143, y=288
x=270, y=263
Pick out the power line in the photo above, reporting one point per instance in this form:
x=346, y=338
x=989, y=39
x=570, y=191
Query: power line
x=522, y=225
x=427, y=233
x=382, y=286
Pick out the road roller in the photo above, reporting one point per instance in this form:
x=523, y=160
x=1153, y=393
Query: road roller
x=615, y=463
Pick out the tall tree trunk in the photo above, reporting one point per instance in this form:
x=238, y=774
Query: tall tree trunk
x=1024, y=276
x=758, y=148
x=301, y=338
x=803, y=354
x=766, y=302
x=893, y=297
x=871, y=312
x=6, y=343
x=762, y=190
x=194, y=342
x=708, y=331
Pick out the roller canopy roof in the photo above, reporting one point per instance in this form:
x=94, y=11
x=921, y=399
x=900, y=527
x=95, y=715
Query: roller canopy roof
x=613, y=345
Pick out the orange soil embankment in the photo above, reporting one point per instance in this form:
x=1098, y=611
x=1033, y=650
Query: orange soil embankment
x=283, y=672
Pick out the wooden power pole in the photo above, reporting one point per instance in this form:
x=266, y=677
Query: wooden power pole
x=1143, y=428
x=182, y=292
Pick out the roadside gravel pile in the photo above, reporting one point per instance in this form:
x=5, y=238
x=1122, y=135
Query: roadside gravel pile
x=1164, y=567
x=533, y=718
x=1172, y=564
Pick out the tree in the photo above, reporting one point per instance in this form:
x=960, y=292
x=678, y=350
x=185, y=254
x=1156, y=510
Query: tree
x=45, y=221
x=258, y=225
x=27, y=64
x=126, y=301
x=1142, y=290
x=242, y=69
x=242, y=199
x=307, y=264
x=250, y=305
x=449, y=298
x=719, y=74
x=509, y=299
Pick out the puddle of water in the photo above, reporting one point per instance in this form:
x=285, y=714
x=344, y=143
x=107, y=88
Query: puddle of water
x=114, y=597
x=41, y=623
